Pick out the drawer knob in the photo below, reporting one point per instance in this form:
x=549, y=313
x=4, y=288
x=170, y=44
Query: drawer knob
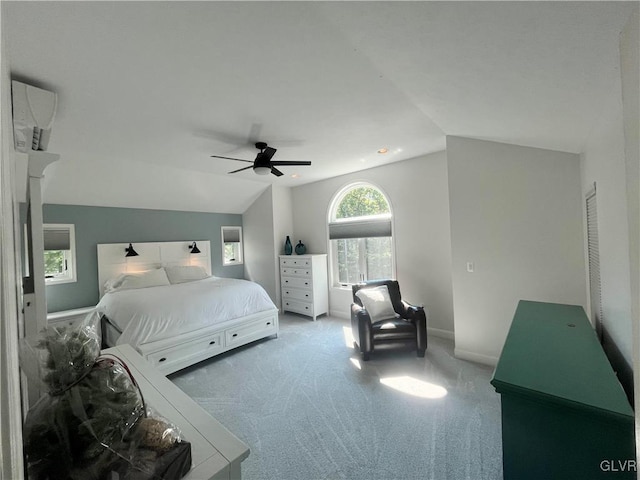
x=234, y=335
x=268, y=323
x=212, y=342
x=162, y=359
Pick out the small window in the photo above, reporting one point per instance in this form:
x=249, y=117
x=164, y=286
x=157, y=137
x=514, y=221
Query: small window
x=59, y=253
x=232, y=245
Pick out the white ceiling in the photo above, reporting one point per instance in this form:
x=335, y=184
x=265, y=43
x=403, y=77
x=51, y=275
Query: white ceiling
x=148, y=90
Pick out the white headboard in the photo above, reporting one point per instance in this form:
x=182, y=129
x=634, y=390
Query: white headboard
x=112, y=261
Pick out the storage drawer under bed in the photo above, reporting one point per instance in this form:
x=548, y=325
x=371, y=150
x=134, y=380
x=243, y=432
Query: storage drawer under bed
x=250, y=331
x=213, y=344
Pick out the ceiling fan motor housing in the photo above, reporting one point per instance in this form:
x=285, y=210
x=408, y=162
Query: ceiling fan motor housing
x=262, y=165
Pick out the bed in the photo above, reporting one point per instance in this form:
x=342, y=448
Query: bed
x=166, y=304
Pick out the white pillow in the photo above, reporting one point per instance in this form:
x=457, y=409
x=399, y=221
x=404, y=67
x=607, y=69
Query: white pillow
x=150, y=278
x=377, y=302
x=113, y=283
x=185, y=273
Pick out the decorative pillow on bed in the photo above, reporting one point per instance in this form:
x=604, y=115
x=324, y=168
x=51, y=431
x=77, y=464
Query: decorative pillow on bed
x=377, y=302
x=185, y=273
x=128, y=281
x=113, y=283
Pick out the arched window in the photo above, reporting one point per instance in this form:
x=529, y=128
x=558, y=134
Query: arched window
x=360, y=235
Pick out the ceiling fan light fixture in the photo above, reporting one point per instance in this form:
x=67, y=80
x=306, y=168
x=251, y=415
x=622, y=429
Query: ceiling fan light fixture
x=262, y=170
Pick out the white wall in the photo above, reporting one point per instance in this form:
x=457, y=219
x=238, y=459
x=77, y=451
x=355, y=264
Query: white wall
x=516, y=214
x=603, y=162
x=630, y=76
x=282, y=226
x=266, y=223
x=257, y=229
x=417, y=190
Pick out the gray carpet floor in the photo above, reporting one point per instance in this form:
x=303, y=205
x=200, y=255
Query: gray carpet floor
x=308, y=409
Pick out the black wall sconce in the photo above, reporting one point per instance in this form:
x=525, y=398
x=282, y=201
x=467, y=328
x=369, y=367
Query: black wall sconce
x=130, y=251
x=194, y=248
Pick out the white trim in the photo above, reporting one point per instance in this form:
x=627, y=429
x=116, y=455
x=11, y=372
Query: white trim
x=340, y=314
x=438, y=332
x=475, y=357
x=11, y=455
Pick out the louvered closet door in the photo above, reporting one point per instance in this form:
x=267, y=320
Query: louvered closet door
x=595, y=289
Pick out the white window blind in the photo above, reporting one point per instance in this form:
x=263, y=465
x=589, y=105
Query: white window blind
x=593, y=252
x=56, y=238
x=231, y=235
x=360, y=229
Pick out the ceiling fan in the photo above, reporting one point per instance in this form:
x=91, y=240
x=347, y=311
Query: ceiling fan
x=263, y=165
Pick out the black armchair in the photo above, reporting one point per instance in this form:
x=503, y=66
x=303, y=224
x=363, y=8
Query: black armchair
x=405, y=326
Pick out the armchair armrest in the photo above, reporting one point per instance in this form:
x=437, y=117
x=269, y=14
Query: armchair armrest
x=410, y=311
x=361, y=328
x=418, y=316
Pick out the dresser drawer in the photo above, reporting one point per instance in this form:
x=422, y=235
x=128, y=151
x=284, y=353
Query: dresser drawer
x=295, y=262
x=164, y=358
x=297, y=306
x=297, y=272
x=297, y=294
x=249, y=331
x=296, y=282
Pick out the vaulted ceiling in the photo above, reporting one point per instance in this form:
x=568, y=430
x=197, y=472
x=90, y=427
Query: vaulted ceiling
x=148, y=91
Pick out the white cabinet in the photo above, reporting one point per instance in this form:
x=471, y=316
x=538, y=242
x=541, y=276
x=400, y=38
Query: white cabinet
x=68, y=317
x=303, y=281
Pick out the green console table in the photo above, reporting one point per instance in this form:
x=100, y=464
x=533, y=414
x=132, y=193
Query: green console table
x=564, y=414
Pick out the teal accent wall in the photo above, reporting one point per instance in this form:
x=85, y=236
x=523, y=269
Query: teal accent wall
x=94, y=225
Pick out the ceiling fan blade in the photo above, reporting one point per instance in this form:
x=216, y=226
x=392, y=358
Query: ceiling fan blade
x=229, y=158
x=268, y=153
x=241, y=169
x=283, y=162
x=276, y=172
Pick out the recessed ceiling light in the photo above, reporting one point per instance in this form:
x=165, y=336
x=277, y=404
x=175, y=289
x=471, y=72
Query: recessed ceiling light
x=383, y=150
x=295, y=175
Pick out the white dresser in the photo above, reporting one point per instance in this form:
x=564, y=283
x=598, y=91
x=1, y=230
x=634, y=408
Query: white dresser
x=303, y=280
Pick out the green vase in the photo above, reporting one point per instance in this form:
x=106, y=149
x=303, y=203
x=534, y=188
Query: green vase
x=301, y=249
x=288, y=248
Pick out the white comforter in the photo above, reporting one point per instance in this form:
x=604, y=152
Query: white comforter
x=155, y=313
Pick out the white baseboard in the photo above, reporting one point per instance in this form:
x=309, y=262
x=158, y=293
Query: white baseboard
x=475, y=357
x=438, y=332
x=340, y=314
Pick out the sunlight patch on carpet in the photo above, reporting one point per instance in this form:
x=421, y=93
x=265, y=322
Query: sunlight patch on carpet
x=356, y=363
x=415, y=387
x=348, y=336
